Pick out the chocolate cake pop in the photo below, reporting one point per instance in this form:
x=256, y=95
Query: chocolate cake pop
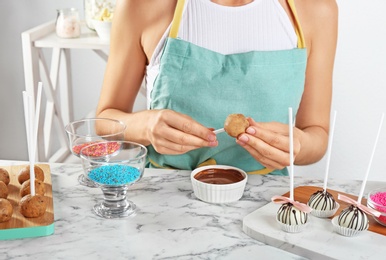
x=235, y=124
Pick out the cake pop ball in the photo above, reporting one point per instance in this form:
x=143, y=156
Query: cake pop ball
x=4, y=176
x=353, y=218
x=33, y=206
x=288, y=214
x=24, y=174
x=25, y=188
x=235, y=124
x=322, y=200
x=3, y=190
x=6, y=210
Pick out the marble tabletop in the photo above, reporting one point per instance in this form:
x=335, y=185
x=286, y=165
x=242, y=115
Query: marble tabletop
x=171, y=223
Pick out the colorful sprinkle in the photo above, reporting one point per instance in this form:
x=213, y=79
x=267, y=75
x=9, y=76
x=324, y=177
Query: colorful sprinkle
x=380, y=199
x=116, y=174
x=97, y=150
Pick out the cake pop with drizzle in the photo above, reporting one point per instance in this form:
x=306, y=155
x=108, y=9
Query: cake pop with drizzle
x=292, y=215
x=353, y=220
x=322, y=202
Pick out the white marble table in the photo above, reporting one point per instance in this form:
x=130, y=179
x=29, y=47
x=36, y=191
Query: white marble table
x=171, y=222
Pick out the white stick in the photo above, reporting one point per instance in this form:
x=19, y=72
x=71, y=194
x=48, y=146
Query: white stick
x=32, y=121
x=291, y=151
x=218, y=131
x=31, y=145
x=37, y=114
x=26, y=117
x=371, y=160
x=330, y=138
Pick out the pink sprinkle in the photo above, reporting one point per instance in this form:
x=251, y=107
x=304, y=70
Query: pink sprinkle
x=380, y=199
x=96, y=149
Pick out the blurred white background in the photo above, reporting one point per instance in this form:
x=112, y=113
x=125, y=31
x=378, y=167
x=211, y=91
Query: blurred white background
x=359, y=84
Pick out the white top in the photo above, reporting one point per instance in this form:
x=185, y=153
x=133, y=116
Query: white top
x=262, y=25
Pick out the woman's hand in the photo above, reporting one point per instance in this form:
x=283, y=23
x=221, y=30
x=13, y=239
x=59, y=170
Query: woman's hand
x=268, y=143
x=173, y=133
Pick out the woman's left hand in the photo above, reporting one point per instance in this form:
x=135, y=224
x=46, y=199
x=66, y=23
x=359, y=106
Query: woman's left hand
x=268, y=143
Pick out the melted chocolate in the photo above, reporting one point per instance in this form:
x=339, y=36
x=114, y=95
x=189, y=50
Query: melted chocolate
x=219, y=176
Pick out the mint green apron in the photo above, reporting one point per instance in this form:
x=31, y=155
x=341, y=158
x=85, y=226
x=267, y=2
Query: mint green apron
x=208, y=86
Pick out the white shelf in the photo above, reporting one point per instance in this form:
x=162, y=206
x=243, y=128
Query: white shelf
x=87, y=40
x=57, y=82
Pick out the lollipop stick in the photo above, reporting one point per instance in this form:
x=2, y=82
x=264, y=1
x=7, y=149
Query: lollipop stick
x=218, y=131
x=28, y=117
x=371, y=159
x=291, y=152
x=32, y=120
x=330, y=138
x=31, y=152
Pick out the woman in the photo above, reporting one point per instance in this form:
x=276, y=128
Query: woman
x=216, y=58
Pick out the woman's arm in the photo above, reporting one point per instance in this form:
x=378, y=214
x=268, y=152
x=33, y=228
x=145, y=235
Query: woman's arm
x=268, y=142
x=137, y=27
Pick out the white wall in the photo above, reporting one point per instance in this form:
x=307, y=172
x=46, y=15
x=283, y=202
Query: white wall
x=359, y=84
x=359, y=93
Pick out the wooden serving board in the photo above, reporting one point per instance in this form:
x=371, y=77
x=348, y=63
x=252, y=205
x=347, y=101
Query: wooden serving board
x=19, y=226
x=303, y=193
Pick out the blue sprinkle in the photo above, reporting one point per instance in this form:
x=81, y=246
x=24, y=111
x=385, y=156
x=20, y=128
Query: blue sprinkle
x=116, y=174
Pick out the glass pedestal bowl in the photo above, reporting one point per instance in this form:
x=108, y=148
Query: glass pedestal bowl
x=114, y=170
x=92, y=130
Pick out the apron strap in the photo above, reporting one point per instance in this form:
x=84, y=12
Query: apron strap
x=177, y=19
x=298, y=28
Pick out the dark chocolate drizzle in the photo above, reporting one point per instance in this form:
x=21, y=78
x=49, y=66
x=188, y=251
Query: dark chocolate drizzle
x=287, y=210
x=322, y=201
x=357, y=221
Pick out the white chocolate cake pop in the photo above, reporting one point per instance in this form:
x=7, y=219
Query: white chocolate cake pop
x=290, y=215
x=322, y=200
x=353, y=218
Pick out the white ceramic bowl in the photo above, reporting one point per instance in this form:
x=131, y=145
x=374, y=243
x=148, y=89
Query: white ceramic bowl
x=103, y=28
x=218, y=193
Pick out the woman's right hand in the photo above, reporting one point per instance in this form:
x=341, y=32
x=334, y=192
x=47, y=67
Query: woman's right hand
x=171, y=132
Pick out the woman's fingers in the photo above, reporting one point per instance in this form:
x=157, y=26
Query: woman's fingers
x=267, y=155
x=175, y=133
x=268, y=143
